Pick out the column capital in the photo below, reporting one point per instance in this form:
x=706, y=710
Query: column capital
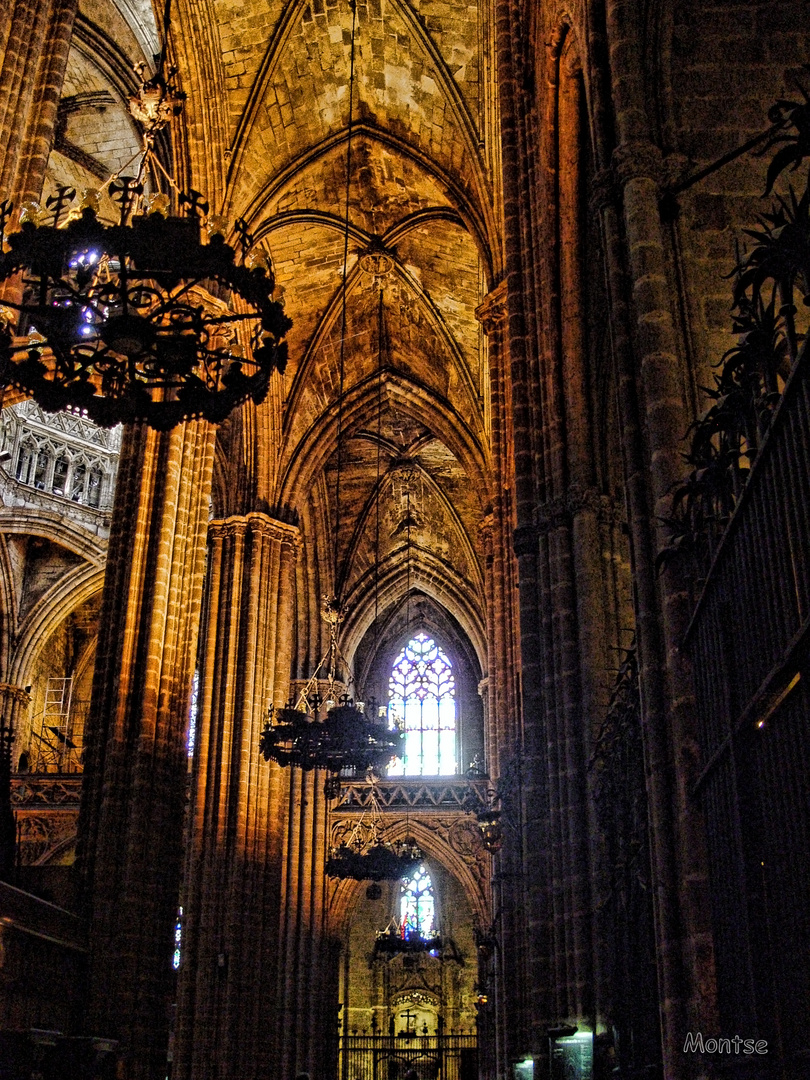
x=16, y=693
x=638, y=160
x=492, y=312
x=255, y=522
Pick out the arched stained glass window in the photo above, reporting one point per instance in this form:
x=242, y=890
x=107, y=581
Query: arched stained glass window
x=422, y=703
x=417, y=905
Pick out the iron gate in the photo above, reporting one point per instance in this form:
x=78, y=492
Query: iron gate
x=391, y=1057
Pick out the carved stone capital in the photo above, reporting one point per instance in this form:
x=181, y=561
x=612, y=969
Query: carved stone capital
x=675, y=169
x=638, y=160
x=16, y=693
x=561, y=511
x=492, y=311
x=239, y=525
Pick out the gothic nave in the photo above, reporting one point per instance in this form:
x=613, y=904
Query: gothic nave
x=543, y=435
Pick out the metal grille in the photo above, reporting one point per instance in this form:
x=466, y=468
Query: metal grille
x=392, y=1057
x=749, y=641
x=757, y=596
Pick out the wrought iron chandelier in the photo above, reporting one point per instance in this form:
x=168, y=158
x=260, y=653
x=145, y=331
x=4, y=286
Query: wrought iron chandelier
x=344, y=739
x=129, y=322
x=380, y=861
x=367, y=855
x=398, y=939
x=331, y=732
x=144, y=319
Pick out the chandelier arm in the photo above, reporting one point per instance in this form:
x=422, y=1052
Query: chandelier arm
x=173, y=297
x=156, y=160
x=235, y=317
x=313, y=679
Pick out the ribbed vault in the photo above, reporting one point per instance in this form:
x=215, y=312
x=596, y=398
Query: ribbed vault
x=405, y=351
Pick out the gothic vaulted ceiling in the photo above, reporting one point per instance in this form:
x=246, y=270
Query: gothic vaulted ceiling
x=395, y=96
x=404, y=346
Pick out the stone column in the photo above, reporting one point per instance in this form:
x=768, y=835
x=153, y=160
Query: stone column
x=656, y=414
x=35, y=40
x=306, y=990
x=503, y=736
x=134, y=792
x=230, y=947
x=501, y=568
x=14, y=700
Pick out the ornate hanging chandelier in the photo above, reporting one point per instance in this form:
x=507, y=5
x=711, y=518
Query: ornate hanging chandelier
x=367, y=856
x=135, y=321
x=401, y=938
x=380, y=861
x=344, y=739
x=146, y=319
x=330, y=732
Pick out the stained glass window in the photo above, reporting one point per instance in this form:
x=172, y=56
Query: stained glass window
x=422, y=703
x=193, y=709
x=417, y=907
x=178, y=939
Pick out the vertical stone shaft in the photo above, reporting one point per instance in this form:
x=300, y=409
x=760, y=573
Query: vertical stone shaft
x=677, y=848
x=569, y=518
x=130, y=828
x=524, y=903
x=37, y=41
x=502, y=723
x=302, y=991
x=231, y=896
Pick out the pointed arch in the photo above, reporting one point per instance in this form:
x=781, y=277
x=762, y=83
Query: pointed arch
x=411, y=398
x=429, y=575
x=467, y=871
x=290, y=18
x=331, y=318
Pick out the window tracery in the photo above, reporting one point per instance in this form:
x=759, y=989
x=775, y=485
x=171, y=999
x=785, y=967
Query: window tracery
x=422, y=702
x=417, y=905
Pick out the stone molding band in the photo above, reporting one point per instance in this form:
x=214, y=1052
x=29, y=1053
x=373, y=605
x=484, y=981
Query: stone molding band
x=560, y=512
x=257, y=522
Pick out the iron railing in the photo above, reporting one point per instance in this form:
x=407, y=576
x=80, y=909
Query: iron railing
x=755, y=605
x=749, y=641
x=391, y=1057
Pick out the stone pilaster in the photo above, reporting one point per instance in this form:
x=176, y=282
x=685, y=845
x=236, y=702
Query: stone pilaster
x=502, y=734
x=131, y=818
x=232, y=892
x=14, y=700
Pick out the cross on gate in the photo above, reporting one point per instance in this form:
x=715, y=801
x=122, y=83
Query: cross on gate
x=410, y=1021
